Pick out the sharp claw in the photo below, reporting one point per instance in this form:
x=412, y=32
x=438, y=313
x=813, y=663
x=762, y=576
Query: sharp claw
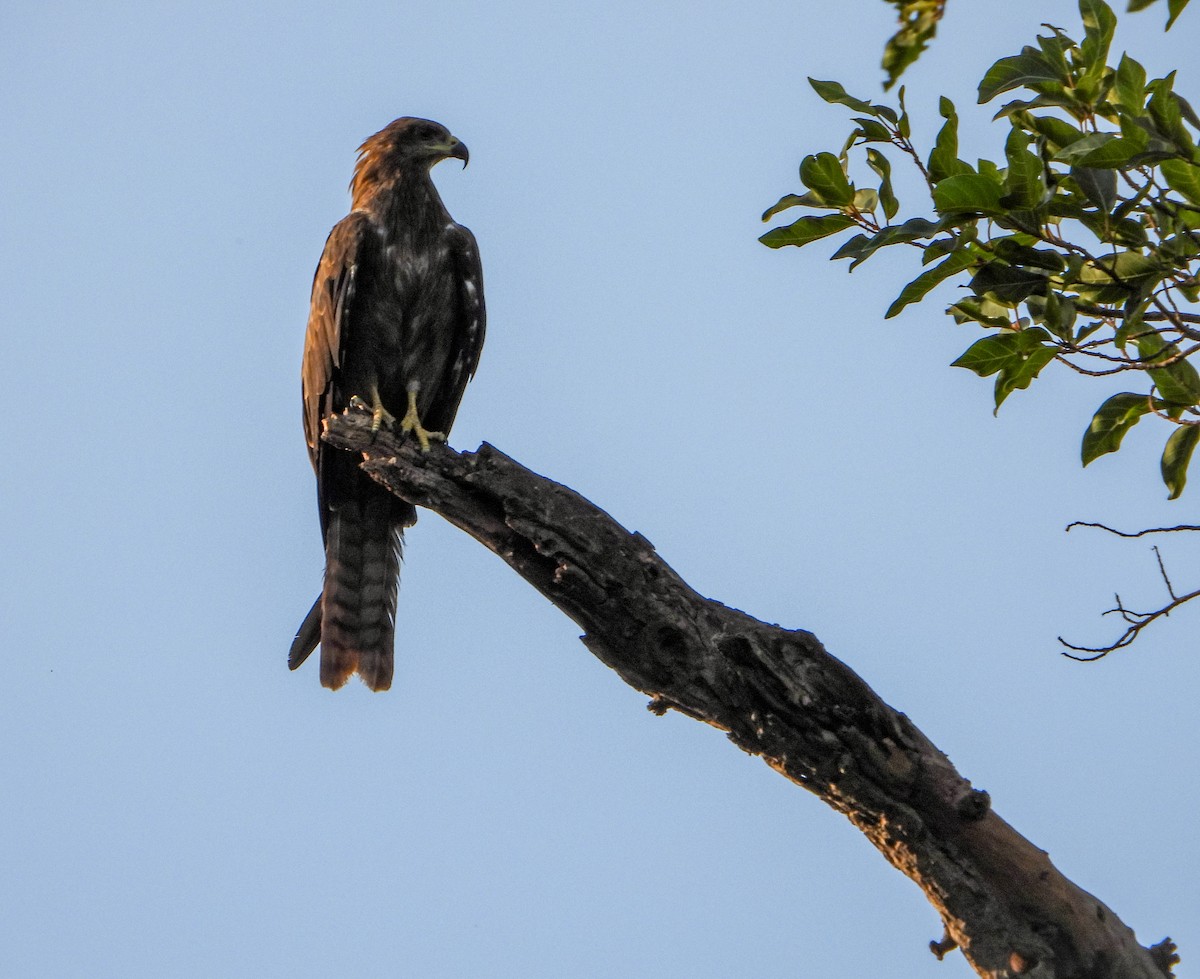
x=411, y=423
x=380, y=417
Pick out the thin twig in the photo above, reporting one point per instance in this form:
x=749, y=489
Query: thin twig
x=1102, y=373
x=1137, y=621
x=1139, y=533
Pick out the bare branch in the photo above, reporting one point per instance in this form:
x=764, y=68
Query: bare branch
x=1138, y=533
x=1137, y=621
x=1130, y=366
x=1107, y=312
x=1163, y=571
x=778, y=694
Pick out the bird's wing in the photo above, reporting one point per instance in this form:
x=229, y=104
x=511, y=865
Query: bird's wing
x=470, y=315
x=329, y=324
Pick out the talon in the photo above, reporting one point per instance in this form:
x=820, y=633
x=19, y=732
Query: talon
x=380, y=416
x=411, y=422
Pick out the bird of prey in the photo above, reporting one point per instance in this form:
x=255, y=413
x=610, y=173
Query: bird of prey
x=396, y=321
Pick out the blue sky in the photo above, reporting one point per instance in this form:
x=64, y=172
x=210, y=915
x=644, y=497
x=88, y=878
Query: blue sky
x=179, y=804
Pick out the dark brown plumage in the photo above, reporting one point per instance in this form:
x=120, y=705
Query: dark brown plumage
x=397, y=319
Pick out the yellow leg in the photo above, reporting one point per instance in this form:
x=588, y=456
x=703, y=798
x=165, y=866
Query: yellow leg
x=411, y=422
x=380, y=416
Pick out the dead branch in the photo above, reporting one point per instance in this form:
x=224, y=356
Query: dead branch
x=1179, y=528
x=1135, y=621
x=778, y=694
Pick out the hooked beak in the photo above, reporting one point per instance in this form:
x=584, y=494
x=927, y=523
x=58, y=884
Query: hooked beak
x=459, y=151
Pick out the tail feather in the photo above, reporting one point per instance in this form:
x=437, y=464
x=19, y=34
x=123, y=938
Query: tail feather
x=307, y=636
x=358, y=603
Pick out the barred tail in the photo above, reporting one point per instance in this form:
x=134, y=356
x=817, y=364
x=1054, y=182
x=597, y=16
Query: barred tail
x=354, y=619
x=358, y=605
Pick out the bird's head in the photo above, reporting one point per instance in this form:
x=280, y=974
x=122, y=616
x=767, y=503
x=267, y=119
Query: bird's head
x=406, y=144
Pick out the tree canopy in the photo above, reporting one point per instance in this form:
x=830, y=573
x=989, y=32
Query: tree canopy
x=1079, y=246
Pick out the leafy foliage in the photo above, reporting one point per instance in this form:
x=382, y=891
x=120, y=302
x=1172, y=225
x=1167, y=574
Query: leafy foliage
x=918, y=25
x=1081, y=246
x=1174, y=8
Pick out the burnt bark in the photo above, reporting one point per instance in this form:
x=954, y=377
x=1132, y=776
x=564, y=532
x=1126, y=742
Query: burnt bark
x=778, y=694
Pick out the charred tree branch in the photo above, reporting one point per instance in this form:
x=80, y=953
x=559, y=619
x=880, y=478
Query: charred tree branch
x=778, y=694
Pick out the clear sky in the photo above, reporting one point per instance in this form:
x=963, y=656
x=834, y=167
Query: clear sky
x=176, y=803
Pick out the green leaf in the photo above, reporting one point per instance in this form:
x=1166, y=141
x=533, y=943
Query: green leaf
x=806, y=230
x=1126, y=231
x=1180, y=249
x=1055, y=48
x=1058, y=314
x=1105, y=150
x=1047, y=100
x=872, y=130
x=968, y=193
x=926, y=281
x=943, y=160
x=982, y=311
x=833, y=92
x=918, y=25
x=1020, y=377
x=1116, y=154
x=1057, y=131
x=1110, y=423
x=1007, y=283
x=1025, y=69
x=858, y=247
x=1131, y=85
x=1186, y=110
x=940, y=247
x=1098, y=186
x=1014, y=251
x=1174, y=8
x=1142, y=127
x=862, y=247
x=1176, y=456
x=1024, y=184
x=991, y=170
x=1116, y=280
x=1133, y=325
x=1183, y=177
x=887, y=197
x=1165, y=110
x=1066, y=204
x=989, y=355
x=1099, y=22
x=1178, y=383
x=866, y=200
x=1079, y=148
x=1016, y=356
x=789, y=200
x=824, y=176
